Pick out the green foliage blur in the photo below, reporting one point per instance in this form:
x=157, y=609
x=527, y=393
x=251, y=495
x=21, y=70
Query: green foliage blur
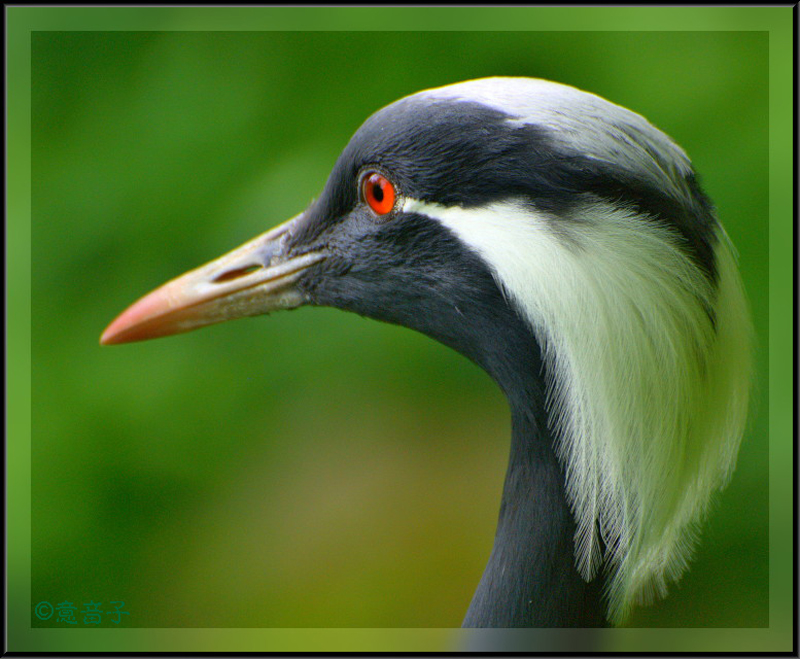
x=314, y=468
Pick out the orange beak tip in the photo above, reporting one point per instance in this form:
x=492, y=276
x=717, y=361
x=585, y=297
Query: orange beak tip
x=136, y=322
x=111, y=336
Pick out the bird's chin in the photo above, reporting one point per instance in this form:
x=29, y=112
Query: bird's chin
x=259, y=277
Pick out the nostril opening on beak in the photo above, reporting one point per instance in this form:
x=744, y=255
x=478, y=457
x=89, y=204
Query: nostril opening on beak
x=236, y=273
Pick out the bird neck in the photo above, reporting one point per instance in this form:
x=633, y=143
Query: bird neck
x=531, y=579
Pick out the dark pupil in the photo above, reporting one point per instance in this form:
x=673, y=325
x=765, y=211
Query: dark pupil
x=377, y=192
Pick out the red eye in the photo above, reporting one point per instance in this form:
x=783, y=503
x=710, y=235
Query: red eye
x=378, y=193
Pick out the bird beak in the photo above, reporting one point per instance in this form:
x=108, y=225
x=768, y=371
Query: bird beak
x=254, y=279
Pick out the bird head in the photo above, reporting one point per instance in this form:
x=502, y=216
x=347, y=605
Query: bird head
x=417, y=219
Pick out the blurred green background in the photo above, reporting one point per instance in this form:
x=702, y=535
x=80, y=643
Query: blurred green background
x=314, y=468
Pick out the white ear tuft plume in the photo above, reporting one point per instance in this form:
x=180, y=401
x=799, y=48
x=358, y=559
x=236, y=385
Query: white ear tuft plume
x=648, y=365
